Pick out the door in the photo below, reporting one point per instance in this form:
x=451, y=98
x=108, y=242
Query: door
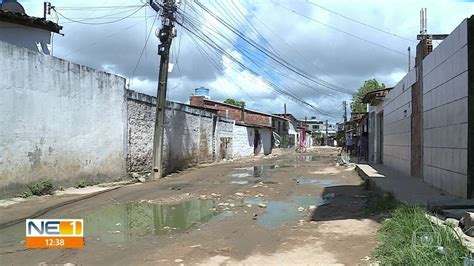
x=380, y=138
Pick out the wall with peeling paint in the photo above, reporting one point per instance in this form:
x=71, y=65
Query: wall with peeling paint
x=59, y=120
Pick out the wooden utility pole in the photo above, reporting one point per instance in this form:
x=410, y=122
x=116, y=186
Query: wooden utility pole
x=166, y=35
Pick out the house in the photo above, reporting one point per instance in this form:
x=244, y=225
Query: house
x=281, y=128
x=293, y=132
x=256, y=125
x=19, y=29
x=357, y=126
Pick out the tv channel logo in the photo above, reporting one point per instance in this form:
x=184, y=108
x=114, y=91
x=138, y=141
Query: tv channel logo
x=54, y=233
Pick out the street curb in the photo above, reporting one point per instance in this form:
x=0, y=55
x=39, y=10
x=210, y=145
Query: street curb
x=50, y=208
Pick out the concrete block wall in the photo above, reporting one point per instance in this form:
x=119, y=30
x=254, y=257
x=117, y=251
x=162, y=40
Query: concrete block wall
x=266, y=136
x=225, y=131
x=59, y=120
x=242, y=143
x=397, y=125
x=445, y=114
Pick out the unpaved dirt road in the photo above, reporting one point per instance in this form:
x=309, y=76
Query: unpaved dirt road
x=278, y=210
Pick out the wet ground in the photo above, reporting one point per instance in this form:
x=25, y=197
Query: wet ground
x=289, y=209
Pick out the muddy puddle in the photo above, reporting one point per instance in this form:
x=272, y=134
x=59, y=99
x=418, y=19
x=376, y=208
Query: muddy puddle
x=253, y=174
x=316, y=182
x=286, y=211
x=126, y=222
x=307, y=158
x=129, y=221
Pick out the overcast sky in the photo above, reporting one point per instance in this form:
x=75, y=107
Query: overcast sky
x=334, y=52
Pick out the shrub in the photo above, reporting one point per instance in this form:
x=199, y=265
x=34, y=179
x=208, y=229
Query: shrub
x=44, y=187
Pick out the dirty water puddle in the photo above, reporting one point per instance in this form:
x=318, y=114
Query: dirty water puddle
x=317, y=182
x=132, y=221
x=281, y=212
x=129, y=221
x=247, y=175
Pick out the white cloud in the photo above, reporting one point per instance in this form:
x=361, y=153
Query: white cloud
x=317, y=49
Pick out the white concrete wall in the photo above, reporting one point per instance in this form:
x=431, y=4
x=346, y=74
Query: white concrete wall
x=26, y=37
x=266, y=140
x=225, y=131
x=242, y=143
x=58, y=120
x=445, y=114
x=189, y=134
x=397, y=125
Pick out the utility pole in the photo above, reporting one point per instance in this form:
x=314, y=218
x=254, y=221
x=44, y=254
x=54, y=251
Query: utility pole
x=344, y=103
x=326, y=137
x=166, y=35
x=46, y=9
x=409, y=58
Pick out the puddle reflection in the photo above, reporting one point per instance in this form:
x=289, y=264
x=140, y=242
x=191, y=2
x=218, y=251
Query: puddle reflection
x=281, y=212
x=129, y=221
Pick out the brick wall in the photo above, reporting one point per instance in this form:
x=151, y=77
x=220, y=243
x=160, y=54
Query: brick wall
x=445, y=114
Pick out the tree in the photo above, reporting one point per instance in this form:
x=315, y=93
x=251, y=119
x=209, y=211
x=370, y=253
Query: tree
x=369, y=85
x=234, y=102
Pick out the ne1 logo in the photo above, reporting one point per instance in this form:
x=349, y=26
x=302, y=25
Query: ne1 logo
x=54, y=233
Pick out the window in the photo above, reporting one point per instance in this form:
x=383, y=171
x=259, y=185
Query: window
x=315, y=126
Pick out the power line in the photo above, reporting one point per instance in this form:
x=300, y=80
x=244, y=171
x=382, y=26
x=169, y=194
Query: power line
x=106, y=37
x=211, y=43
x=337, y=29
x=282, y=62
x=88, y=8
x=359, y=22
x=210, y=40
x=143, y=50
x=98, y=23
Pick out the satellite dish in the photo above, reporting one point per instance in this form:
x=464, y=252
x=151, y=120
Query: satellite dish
x=12, y=6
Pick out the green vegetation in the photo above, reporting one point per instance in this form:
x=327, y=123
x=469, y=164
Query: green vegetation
x=85, y=183
x=43, y=187
x=409, y=238
x=235, y=102
x=369, y=85
x=381, y=203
